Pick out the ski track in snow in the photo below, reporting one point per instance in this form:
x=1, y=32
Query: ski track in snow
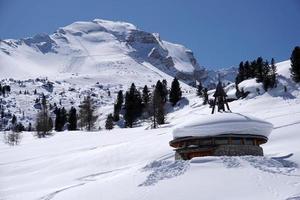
x=52, y=194
x=86, y=179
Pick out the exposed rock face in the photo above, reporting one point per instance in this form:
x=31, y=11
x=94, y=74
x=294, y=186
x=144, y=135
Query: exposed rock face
x=137, y=36
x=48, y=86
x=150, y=48
x=42, y=42
x=187, y=77
x=168, y=62
x=192, y=58
x=160, y=56
x=156, y=54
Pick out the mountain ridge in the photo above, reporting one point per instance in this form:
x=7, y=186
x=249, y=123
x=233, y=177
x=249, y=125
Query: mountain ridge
x=89, y=47
x=83, y=46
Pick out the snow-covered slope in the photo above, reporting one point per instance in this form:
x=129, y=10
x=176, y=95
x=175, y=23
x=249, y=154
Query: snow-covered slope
x=285, y=87
x=138, y=163
x=97, y=49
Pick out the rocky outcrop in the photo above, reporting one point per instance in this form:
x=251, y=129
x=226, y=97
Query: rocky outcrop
x=160, y=56
x=137, y=36
x=42, y=42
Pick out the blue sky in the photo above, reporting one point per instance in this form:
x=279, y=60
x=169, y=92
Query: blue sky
x=221, y=33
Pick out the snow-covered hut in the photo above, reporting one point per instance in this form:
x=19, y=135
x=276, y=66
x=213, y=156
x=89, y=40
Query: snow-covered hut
x=221, y=134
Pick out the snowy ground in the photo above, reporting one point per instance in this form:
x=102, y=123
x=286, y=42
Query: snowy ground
x=139, y=164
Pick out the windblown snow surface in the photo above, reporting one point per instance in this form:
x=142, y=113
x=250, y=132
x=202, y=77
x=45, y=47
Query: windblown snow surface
x=139, y=164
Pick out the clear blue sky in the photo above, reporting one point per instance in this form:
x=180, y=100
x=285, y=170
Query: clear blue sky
x=220, y=32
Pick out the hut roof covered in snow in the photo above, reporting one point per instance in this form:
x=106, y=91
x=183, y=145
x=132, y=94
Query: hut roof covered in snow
x=223, y=123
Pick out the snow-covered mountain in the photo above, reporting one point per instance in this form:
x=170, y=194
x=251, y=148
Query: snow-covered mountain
x=98, y=49
x=211, y=77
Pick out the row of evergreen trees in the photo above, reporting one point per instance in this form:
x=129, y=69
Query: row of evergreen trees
x=64, y=120
x=4, y=89
x=145, y=103
x=266, y=72
x=262, y=70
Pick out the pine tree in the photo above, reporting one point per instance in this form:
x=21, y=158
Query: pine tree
x=44, y=123
x=161, y=88
x=273, y=74
x=13, y=137
x=146, y=97
x=64, y=117
x=295, y=64
x=129, y=109
x=175, y=92
x=72, y=120
x=248, y=70
x=120, y=98
x=116, y=112
x=14, y=120
x=118, y=106
x=259, y=70
x=242, y=71
x=109, y=124
x=205, y=96
x=158, y=107
x=240, y=75
x=58, y=120
x=14, y=123
x=50, y=123
x=44, y=101
x=199, y=90
x=252, y=68
x=133, y=106
x=266, y=76
x=3, y=91
x=29, y=128
x=19, y=127
x=87, y=113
